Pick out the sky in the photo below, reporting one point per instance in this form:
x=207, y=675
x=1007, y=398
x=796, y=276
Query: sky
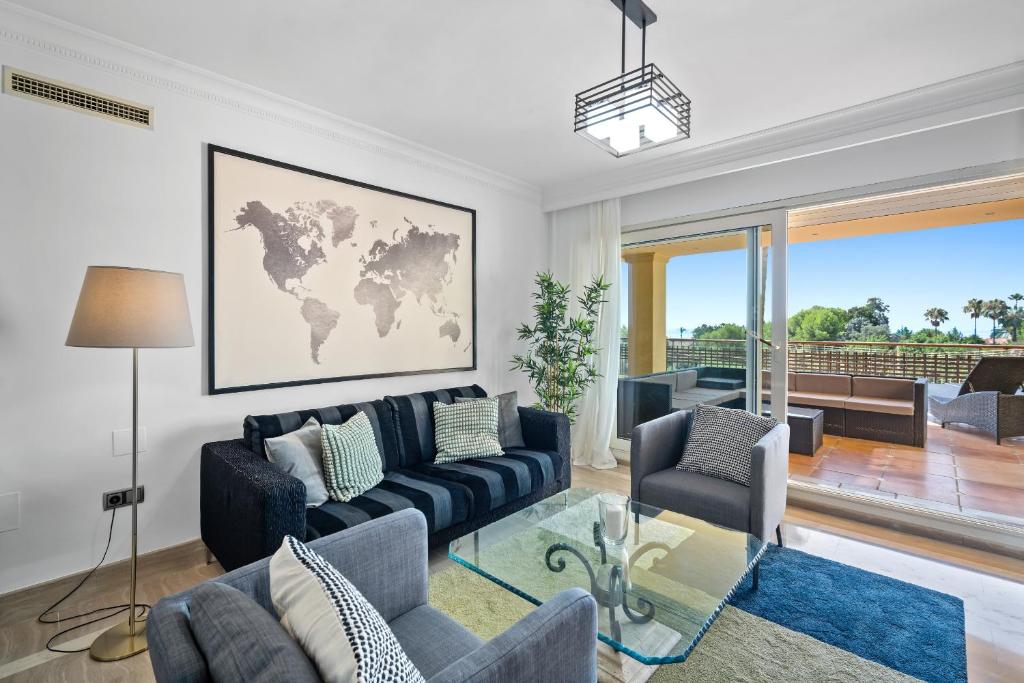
x=910, y=271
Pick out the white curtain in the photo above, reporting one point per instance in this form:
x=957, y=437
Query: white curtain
x=585, y=242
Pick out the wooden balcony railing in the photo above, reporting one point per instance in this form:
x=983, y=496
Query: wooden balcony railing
x=939, y=363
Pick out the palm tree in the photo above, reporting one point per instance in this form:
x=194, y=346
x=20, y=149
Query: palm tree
x=1016, y=299
x=936, y=316
x=975, y=308
x=682, y=331
x=995, y=310
x=1012, y=321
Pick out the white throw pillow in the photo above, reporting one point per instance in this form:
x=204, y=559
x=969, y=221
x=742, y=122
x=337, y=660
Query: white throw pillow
x=347, y=639
x=300, y=454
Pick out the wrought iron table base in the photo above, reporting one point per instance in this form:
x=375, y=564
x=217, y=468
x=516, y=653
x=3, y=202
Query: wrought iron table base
x=608, y=596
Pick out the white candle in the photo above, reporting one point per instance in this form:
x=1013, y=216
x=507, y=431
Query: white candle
x=615, y=522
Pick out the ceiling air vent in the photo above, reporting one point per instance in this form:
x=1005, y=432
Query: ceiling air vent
x=33, y=87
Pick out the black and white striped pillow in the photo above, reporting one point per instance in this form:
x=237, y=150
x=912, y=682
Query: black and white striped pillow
x=347, y=639
x=721, y=440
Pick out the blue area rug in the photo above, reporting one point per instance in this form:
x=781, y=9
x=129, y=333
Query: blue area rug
x=917, y=631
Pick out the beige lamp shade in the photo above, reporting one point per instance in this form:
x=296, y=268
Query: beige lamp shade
x=131, y=308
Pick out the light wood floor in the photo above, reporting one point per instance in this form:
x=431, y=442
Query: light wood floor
x=991, y=586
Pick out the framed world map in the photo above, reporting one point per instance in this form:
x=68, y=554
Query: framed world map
x=316, y=278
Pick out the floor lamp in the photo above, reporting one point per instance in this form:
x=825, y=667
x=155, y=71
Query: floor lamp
x=130, y=308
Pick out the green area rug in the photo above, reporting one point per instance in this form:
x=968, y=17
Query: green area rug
x=739, y=646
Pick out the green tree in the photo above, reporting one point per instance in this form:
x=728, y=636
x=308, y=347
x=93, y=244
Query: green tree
x=936, y=316
x=682, y=331
x=720, y=331
x=874, y=311
x=1016, y=298
x=903, y=333
x=995, y=310
x=975, y=308
x=560, y=355
x=817, y=323
x=1012, y=321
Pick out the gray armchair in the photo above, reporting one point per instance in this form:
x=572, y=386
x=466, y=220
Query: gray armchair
x=758, y=509
x=386, y=559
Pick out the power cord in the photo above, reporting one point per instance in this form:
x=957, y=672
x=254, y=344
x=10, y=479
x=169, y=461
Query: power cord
x=44, y=618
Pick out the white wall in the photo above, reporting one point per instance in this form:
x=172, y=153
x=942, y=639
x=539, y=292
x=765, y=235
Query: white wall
x=973, y=143
x=77, y=190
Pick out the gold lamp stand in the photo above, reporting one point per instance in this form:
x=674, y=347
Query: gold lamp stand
x=130, y=308
x=127, y=638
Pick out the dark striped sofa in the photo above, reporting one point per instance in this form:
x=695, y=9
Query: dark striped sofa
x=247, y=505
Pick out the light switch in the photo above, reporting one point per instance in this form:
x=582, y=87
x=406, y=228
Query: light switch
x=10, y=511
x=123, y=441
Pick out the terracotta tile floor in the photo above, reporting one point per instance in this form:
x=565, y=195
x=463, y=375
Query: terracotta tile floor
x=958, y=470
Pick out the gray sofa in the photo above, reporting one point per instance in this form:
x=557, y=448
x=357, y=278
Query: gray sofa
x=757, y=509
x=386, y=559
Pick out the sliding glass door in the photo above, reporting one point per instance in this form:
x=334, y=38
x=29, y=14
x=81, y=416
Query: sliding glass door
x=697, y=307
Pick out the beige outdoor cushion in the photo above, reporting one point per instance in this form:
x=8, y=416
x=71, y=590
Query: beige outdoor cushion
x=883, y=387
x=669, y=379
x=685, y=379
x=813, y=383
x=817, y=400
x=766, y=379
x=880, y=405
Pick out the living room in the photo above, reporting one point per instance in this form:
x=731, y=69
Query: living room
x=287, y=207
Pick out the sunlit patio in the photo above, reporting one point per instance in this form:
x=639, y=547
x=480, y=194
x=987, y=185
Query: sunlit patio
x=958, y=470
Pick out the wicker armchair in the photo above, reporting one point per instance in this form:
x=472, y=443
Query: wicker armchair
x=987, y=399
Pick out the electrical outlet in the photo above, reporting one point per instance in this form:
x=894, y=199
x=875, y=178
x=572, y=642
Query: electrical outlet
x=122, y=498
x=121, y=441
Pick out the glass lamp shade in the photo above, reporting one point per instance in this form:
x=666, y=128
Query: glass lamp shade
x=637, y=110
x=131, y=308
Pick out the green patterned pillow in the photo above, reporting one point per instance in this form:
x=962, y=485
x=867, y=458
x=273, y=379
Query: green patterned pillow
x=352, y=463
x=466, y=430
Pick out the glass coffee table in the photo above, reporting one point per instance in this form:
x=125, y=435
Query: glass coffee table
x=658, y=592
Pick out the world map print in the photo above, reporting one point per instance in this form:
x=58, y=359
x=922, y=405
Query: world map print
x=316, y=278
x=412, y=266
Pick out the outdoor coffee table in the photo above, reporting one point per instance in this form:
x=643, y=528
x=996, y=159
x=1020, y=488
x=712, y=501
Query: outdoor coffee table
x=657, y=593
x=805, y=428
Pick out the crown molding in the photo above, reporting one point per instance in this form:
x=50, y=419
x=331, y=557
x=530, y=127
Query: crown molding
x=978, y=95
x=54, y=37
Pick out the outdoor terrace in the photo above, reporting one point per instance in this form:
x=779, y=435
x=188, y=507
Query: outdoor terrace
x=959, y=469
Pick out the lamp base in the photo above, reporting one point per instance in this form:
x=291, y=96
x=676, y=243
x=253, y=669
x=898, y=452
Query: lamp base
x=117, y=643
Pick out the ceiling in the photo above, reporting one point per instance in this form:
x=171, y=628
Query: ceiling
x=492, y=82
x=997, y=199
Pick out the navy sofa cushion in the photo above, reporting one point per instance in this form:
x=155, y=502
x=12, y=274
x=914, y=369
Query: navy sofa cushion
x=414, y=421
x=257, y=428
x=447, y=494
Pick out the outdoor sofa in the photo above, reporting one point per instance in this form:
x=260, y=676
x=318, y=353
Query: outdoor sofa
x=885, y=409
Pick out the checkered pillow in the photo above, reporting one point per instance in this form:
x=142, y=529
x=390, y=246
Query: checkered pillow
x=466, y=430
x=352, y=463
x=720, y=442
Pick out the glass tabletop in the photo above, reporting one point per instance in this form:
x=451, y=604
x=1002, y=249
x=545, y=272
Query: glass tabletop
x=658, y=591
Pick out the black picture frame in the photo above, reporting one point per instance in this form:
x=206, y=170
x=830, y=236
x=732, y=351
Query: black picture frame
x=211, y=151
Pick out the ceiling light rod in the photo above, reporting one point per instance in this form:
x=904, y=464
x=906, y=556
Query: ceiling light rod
x=641, y=15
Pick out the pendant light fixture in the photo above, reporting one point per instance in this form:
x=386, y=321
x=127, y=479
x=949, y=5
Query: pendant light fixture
x=638, y=109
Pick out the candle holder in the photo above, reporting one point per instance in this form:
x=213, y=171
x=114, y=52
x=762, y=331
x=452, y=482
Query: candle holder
x=613, y=515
